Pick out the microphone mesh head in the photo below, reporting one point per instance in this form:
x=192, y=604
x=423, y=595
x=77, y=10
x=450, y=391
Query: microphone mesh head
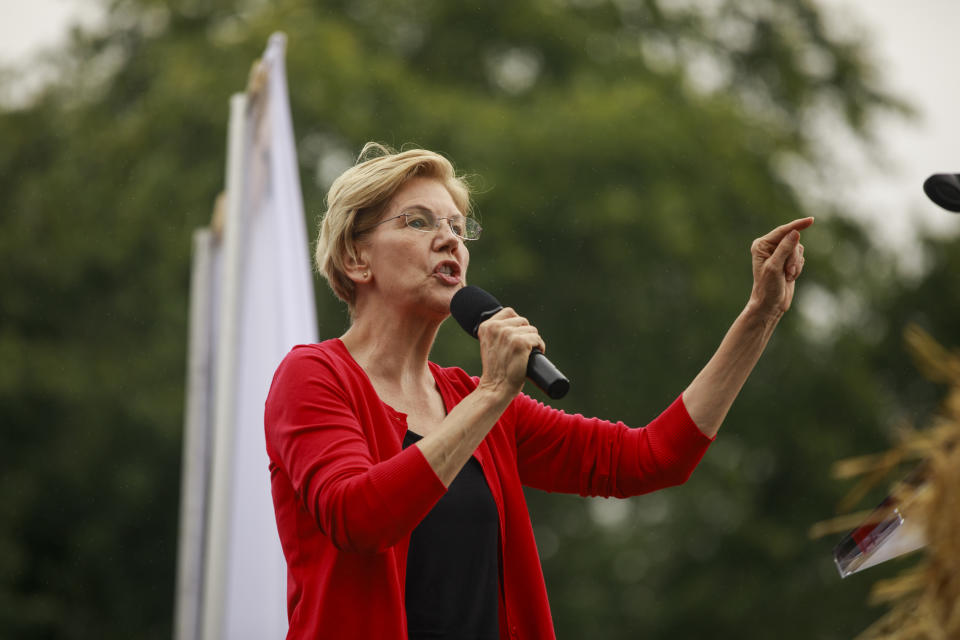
x=944, y=189
x=471, y=306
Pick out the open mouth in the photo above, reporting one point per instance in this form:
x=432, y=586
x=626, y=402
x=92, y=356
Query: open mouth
x=448, y=271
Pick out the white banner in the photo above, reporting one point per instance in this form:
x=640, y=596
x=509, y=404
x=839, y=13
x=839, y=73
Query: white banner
x=265, y=306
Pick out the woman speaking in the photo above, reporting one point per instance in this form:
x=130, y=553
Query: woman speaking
x=397, y=482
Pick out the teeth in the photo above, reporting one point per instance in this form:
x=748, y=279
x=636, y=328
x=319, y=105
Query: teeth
x=446, y=270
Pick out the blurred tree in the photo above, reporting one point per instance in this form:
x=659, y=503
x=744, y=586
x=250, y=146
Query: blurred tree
x=628, y=152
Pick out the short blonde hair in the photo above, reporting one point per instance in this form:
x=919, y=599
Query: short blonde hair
x=357, y=199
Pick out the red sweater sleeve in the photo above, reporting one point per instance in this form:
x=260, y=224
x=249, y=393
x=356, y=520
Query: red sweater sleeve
x=341, y=454
x=557, y=451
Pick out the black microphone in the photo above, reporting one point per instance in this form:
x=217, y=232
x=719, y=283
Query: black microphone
x=472, y=305
x=944, y=189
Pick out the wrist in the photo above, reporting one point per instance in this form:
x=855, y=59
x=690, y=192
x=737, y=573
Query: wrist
x=762, y=314
x=495, y=394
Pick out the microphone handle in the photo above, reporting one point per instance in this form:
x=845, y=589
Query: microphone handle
x=541, y=371
x=546, y=376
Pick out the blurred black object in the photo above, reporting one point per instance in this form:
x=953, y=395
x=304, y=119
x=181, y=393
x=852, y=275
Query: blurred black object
x=944, y=189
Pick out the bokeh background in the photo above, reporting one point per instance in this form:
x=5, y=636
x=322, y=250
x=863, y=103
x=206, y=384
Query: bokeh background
x=625, y=152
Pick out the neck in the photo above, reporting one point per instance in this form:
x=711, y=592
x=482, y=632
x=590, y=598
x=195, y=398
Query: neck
x=392, y=347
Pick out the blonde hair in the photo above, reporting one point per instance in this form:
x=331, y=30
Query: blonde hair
x=356, y=200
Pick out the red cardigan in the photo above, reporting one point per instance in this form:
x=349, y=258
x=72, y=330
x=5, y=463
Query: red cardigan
x=347, y=495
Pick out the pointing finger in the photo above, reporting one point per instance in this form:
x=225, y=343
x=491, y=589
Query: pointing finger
x=775, y=236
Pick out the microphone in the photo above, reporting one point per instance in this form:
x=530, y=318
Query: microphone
x=472, y=305
x=944, y=189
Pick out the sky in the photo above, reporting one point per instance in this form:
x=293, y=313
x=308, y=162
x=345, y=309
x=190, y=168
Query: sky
x=914, y=44
x=29, y=25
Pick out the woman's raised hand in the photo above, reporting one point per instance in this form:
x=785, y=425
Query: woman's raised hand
x=777, y=263
x=506, y=340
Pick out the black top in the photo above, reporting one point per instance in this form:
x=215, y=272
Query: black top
x=452, y=566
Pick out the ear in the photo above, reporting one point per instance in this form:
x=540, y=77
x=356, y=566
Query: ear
x=357, y=268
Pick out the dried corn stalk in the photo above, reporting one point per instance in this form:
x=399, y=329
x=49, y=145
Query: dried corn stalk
x=926, y=599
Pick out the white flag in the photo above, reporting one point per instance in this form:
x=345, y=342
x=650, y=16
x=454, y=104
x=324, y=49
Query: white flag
x=265, y=306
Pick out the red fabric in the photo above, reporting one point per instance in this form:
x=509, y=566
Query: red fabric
x=347, y=495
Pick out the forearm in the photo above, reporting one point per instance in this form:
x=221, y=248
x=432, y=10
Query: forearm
x=448, y=448
x=712, y=392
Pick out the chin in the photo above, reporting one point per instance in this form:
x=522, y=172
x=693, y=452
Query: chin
x=439, y=305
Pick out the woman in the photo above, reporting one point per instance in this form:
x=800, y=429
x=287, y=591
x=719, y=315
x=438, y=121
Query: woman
x=397, y=483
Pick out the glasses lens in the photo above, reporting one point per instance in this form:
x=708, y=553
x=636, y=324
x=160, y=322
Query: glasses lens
x=420, y=220
x=471, y=229
x=457, y=226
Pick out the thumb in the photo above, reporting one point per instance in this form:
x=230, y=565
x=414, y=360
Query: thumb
x=779, y=258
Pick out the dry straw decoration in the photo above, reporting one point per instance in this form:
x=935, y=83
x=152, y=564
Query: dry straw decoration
x=925, y=600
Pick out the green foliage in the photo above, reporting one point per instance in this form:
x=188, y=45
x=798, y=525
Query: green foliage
x=628, y=153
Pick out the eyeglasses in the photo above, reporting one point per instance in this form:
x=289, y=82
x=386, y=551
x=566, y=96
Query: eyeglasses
x=423, y=220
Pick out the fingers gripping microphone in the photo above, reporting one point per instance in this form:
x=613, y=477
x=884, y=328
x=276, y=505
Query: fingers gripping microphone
x=472, y=305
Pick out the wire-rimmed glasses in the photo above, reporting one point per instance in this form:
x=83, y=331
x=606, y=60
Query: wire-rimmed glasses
x=423, y=220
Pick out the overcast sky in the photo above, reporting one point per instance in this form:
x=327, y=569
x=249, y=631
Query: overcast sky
x=914, y=42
